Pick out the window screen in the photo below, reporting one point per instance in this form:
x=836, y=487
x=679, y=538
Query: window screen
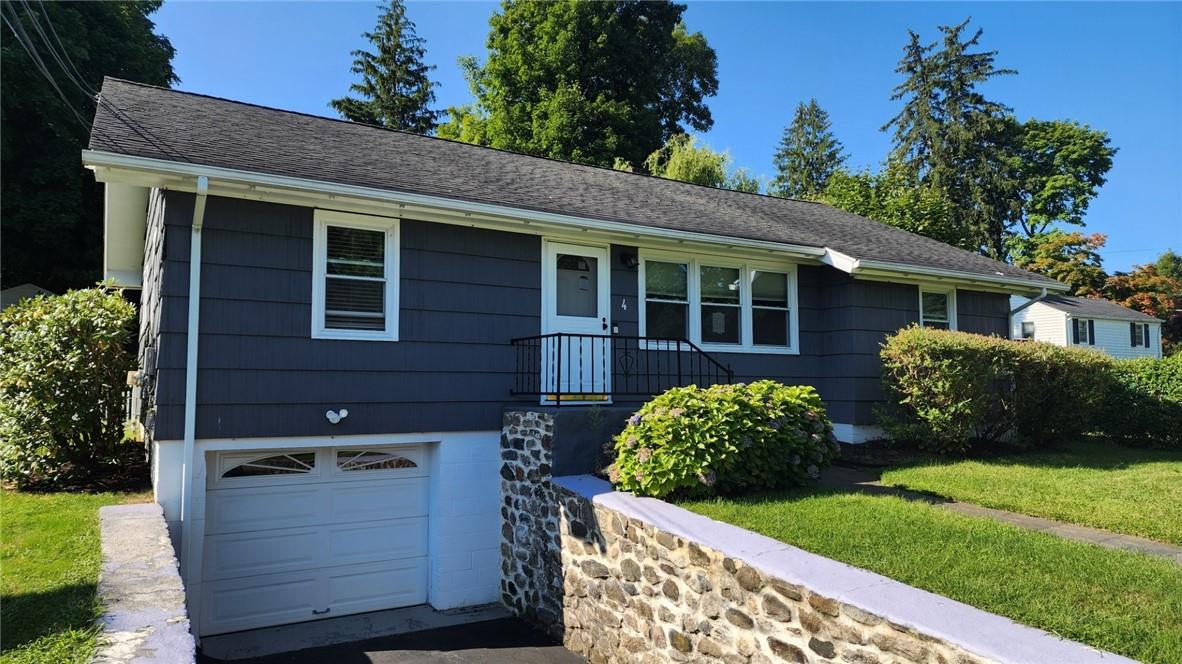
x=721, y=304
x=769, y=308
x=935, y=310
x=355, y=279
x=666, y=300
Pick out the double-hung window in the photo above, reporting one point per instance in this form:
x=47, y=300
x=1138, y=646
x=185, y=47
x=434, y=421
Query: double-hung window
x=354, y=277
x=719, y=305
x=937, y=308
x=1083, y=332
x=1139, y=334
x=666, y=299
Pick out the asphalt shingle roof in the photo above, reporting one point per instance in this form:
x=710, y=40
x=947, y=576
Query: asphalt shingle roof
x=1086, y=307
x=147, y=121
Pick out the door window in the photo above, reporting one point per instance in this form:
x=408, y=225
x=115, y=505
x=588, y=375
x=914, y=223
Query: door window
x=577, y=285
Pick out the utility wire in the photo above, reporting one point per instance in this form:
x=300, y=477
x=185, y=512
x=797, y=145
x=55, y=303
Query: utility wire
x=14, y=24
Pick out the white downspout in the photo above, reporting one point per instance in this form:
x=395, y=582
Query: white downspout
x=189, y=456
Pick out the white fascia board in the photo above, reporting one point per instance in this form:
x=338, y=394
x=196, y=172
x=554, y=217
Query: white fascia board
x=125, y=215
x=223, y=180
x=1026, y=285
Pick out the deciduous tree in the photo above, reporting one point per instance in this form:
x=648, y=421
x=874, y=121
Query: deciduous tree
x=587, y=81
x=395, y=90
x=1072, y=258
x=891, y=197
x=51, y=214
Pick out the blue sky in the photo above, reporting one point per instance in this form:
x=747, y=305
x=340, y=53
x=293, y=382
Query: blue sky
x=1114, y=66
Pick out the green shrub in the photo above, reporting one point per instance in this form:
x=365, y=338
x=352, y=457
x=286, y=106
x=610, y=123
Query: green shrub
x=63, y=368
x=697, y=441
x=948, y=391
x=1144, y=405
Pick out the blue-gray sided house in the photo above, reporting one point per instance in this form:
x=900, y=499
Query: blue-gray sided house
x=334, y=318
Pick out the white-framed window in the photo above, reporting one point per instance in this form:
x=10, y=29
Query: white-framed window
x=717, y=303
x=1139, y=334
x=354, y=277
x=1083, y=332
x=1027, y=330
x=937, y=307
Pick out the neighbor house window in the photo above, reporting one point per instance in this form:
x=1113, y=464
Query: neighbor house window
x=354, y=277
x=720, y=306
x=937, y=308
x=666, y=299
x=1027, y=330
x=1139, y=334
x=1083, y=332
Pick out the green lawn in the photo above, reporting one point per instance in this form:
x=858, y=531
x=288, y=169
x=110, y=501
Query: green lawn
x=1124, y=602
x=49, y=565
x=1132, y=491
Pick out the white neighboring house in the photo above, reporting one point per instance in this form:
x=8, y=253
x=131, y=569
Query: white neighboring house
x=1080, y=321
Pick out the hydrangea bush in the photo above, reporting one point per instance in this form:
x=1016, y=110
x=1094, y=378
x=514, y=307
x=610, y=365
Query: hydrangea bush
x=695, y=441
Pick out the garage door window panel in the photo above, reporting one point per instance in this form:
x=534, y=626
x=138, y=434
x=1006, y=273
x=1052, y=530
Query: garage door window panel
x=278, y=464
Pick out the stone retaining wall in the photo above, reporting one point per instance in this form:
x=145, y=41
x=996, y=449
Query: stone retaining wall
x=144, y=619
x=627, y=579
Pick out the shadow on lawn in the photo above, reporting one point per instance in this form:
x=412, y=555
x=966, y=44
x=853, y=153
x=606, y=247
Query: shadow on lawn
x=29, y=616
x=876, y=457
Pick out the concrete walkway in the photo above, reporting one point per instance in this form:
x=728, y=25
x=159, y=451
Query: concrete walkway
x=866, y=481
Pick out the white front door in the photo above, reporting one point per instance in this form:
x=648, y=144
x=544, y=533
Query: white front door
x=296, y=535
x=576, y=291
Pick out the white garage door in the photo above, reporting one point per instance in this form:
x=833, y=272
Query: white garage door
x=305, y=534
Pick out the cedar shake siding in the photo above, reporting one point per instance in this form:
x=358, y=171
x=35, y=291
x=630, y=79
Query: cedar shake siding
x=464, y=294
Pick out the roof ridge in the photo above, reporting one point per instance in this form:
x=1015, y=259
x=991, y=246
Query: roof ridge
x=451, y=141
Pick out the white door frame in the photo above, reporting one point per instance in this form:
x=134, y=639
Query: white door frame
x=551, y=321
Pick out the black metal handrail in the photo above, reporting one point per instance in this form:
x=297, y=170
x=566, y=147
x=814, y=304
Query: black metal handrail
x=562, y=366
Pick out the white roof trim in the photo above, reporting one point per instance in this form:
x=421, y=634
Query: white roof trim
x=114, y=167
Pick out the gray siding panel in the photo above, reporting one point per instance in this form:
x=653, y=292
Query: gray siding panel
x=464, y=294
x=983, y=313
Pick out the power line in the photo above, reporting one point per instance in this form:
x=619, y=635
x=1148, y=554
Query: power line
x=17, y=27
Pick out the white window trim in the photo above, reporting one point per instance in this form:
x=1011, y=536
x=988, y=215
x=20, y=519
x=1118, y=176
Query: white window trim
x=694, y=318
x=325, y=218
x=950, y=293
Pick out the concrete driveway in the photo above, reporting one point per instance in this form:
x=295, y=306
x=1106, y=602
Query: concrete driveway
x=503, y=640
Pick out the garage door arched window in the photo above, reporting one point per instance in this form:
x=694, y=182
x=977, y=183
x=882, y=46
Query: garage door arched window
x=351, y=460
x=276, y=464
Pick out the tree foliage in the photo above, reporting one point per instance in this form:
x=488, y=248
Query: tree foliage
x=682, y=158
x=1058, y=168
x=808, y=154
x=1147, y=290
x=1001, y=175
x=586, y=81
x=63, y=367
x=49, y=205
x=1072, y=258
x=891, y=197
x=395, y=90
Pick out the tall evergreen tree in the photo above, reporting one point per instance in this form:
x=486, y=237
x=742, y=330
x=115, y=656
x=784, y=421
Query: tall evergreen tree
x=949, y=136
x=808, y=155
x=51, y=210
x=587, y=81
x=395, y=90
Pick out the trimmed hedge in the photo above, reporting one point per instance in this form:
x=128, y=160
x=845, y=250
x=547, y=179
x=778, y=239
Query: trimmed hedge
x=63, y=372
x=1144, y=406
x=696, y=441
x=949, y=391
